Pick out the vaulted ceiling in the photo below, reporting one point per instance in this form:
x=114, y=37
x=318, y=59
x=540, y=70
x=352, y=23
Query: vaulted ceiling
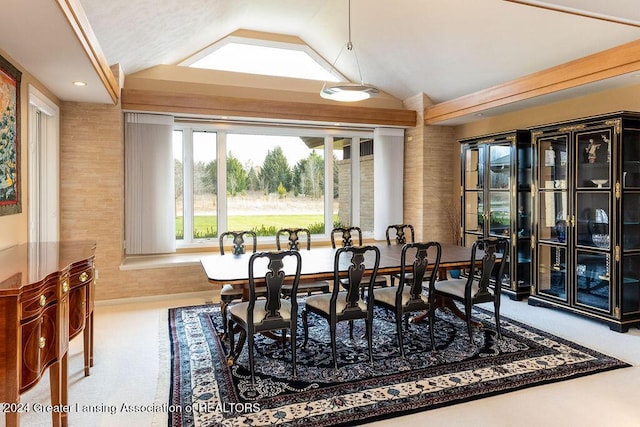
x=442, y=48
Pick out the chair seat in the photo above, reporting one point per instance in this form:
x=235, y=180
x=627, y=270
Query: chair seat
x=230, y=292
x=380, y=281
x=388, y=295
x=323, y=302
x=455, y=287
x=240, y=310
x=319, y=286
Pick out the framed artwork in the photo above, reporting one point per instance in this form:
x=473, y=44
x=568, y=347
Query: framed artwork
x=9, y=138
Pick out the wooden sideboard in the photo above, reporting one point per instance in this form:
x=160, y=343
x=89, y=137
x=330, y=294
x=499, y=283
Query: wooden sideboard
x=46, y=298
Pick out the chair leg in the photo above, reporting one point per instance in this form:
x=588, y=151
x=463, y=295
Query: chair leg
x=496, y=309
x=467, y=312
x=334, y=349
x=432, y=321
x=284, y=339
x=293, y=350
x=370, y=338
x=251, y=363
x=305, y=324
x=399, y=332
x=232, y=355
x=351, y=329
x=223, y=311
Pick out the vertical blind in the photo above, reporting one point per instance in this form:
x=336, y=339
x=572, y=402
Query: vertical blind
x=149, y=184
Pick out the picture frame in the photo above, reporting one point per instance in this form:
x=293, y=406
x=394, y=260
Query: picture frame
x=10, y=194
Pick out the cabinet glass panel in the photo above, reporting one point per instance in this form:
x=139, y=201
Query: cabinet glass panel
x=631, y=156
x=499, y=166
x=593, y=280
x=523, y=221
x=524, y=262
x=552, y=271
x=593, y=159
x=474, y=211
x=524, y=167
x=631, y=283
x=499, y=213
x=552, y=157
x=631, y=221
x=552, y=225
x=592, y=219
x=474, y=168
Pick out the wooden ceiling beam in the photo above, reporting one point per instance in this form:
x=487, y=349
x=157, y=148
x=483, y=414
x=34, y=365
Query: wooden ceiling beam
x=212, y=105
x=79, y=23
x=609, y=63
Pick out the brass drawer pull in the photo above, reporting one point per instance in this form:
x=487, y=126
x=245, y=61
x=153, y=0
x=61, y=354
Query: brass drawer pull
x=43, y=300
x=65, y=286
x=84, y=276
x=42, y=342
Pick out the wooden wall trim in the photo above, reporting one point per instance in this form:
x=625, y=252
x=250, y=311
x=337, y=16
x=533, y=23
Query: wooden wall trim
x=187, y=103
x=75, y=15
x=589, y=69
x=575, y=12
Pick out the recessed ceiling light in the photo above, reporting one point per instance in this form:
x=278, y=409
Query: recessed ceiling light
x=79, y=83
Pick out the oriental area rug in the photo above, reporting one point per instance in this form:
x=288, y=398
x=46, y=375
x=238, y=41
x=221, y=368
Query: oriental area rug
x=205, y=391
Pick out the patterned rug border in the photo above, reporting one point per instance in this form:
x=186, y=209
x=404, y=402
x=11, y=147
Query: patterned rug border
x=606, y=363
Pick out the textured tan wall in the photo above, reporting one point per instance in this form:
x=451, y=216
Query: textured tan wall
x=430, y=177
x=92, y=203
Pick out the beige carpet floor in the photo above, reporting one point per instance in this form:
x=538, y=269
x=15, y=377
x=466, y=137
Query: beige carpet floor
x=131, y=368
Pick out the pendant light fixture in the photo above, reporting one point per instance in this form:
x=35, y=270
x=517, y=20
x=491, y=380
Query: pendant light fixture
x=346, y=91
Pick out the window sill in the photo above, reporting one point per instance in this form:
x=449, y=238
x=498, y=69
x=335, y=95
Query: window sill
x=145, y=262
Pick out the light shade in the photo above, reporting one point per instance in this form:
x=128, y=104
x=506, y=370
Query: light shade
x=348, y=92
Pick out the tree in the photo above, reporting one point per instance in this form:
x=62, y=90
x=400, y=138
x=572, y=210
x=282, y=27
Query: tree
x=275, y=170
x=206, y=177
x=236, y=176
x=308, y=176
x=178, y=177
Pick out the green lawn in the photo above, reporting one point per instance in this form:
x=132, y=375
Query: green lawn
x=264, y=225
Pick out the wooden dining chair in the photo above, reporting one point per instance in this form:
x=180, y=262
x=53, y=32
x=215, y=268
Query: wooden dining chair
x=346, y=237
x=398, y=232
x=272, y=313
x=293, y=243
x=407, y=297
x=346, y=305
x=230, y=293
x=481, y=285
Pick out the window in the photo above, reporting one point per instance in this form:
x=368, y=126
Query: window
x=275, y=178
x=265, y=54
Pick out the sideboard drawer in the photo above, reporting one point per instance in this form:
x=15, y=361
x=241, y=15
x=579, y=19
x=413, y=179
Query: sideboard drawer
x=34, y=301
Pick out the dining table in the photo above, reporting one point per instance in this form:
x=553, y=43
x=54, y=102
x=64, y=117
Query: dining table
x=318, y=264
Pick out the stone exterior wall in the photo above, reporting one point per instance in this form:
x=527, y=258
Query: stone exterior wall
x=366, y=193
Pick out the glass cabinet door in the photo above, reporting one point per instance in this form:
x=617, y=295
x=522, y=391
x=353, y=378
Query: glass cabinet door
x=592, y=219
x=474, y=168
x=552, y=271
x=593, y=159
x=552, y=216
x=631, y=284
x=593, y=281
x=552, y=159
x=499, y=166
x=474, y=211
